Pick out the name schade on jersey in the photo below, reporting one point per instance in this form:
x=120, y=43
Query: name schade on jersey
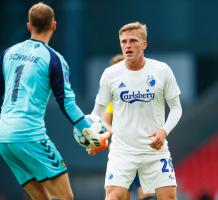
x=133, y=96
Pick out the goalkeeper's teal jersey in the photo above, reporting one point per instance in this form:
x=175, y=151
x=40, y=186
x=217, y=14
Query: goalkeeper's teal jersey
x=29, y=71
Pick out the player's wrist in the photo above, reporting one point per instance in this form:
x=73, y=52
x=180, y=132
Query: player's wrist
x=165, y=131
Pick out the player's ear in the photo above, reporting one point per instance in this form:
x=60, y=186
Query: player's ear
x=53, y=25
x=145, y=44
x=29, y=27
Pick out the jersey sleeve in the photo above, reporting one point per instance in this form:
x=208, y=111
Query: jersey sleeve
x=61, y=87
x=2, y=81
x=104, y=95
x=171, y=88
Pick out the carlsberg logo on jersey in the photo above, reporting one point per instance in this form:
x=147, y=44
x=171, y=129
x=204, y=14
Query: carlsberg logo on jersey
x=133, y=96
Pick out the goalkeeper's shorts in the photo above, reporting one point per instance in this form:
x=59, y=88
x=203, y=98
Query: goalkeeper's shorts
x=36, y=160
x=154, y=171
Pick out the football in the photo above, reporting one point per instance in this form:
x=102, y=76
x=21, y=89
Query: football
x=96, y=123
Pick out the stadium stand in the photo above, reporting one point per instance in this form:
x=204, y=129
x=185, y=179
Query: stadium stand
x=194, y=146
x=197, y=174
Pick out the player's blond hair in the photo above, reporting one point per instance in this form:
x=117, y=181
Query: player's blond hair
x=117, y=58
x=41, y=16
x=142, y=28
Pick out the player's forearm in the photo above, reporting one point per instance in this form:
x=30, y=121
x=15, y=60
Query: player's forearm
x=70, y=109
x=107, y=119
x=98, y=110
x=174, y=114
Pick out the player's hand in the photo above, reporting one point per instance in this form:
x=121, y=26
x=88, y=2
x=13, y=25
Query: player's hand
x=92, y=136
x=92, y=150
x=158, y=139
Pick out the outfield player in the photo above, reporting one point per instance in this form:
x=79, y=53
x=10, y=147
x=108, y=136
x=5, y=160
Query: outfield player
x=138, y=88
x=29, y=71
x=108, y=118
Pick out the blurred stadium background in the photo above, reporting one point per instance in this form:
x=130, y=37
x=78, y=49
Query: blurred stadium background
x=182, y=33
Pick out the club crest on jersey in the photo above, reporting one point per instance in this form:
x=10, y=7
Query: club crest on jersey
x=151, y=81
x=133, y=96
x=110, y=176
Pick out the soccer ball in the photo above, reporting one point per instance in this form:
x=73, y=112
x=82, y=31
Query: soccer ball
x=96, y=124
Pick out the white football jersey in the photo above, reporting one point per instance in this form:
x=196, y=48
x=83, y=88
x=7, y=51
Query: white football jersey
x=138, y=99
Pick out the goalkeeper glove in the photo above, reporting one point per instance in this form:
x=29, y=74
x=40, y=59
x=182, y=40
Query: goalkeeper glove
x=92, y=136
x=92, y=150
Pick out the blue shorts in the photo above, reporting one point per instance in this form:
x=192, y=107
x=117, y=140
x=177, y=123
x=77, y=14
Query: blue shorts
x=135, y=184
x=39, y=160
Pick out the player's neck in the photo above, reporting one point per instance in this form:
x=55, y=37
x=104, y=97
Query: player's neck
x=135, y=65
x=45, y=37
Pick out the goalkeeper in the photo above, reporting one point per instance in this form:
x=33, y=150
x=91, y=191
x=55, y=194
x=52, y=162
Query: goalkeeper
x=29, y=71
